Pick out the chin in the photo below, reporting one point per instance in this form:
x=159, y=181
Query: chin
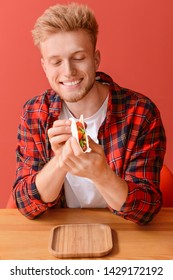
x=72, y=98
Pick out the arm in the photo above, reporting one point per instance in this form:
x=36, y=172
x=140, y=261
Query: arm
x=39, y=179
x=142, y=163
x=53, y=174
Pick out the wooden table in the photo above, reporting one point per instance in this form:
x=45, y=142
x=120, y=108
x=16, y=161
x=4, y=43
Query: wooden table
x=21, y=238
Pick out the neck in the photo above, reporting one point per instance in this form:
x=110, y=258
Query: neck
x=91, y=103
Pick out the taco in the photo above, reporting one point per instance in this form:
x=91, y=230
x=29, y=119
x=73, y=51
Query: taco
x=79, y=132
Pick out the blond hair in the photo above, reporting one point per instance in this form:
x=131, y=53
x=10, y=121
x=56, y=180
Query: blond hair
x=71, y=17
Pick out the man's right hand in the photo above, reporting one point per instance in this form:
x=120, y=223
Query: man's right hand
x=58, y=134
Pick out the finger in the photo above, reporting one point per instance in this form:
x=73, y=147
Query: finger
x=58, y=130
x=68, y=154
x=61, y=123
x=94, y=146
x=64, y=161
x=77, y=150
x=69, y=159
x=59, y=140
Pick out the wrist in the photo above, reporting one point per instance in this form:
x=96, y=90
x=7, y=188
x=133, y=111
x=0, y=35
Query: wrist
x=103, y=176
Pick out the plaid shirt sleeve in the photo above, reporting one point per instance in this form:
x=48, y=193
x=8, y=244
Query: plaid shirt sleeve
x=33, y=152
x=134, y=142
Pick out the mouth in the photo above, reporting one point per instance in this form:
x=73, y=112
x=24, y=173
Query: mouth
x=71, y=83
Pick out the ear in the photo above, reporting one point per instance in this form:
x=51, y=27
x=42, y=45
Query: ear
x=43, y=64
x=97, y=59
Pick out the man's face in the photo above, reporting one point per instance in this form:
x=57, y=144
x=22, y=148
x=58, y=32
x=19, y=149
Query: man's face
x=70, y=62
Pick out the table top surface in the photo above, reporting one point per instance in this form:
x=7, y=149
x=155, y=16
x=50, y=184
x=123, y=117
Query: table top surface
x=22, y=239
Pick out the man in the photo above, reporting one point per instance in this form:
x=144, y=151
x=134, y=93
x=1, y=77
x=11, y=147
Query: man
x=127, y=138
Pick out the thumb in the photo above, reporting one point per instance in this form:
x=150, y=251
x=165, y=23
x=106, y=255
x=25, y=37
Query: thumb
x=94, y=146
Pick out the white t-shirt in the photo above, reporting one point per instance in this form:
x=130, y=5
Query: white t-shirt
x=81, y=192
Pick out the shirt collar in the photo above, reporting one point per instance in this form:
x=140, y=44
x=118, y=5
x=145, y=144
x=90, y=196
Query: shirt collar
x=55, y=104
x=116, y=104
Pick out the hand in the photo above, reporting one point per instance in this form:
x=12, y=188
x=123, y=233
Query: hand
x=59, y=134
x=90, y=165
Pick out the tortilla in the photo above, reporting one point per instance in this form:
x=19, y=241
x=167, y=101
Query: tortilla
x=79, y=132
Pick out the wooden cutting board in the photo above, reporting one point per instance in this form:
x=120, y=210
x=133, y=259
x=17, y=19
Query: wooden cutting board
x=80, y=240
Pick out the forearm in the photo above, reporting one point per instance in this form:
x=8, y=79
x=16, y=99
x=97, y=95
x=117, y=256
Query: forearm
x=136, y=202
x=49, y=180
x=113, y=188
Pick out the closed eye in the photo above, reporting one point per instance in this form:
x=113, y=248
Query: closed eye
x=78, y=57
x=56, y=62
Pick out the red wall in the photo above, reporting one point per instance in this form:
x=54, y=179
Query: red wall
x=136, y=43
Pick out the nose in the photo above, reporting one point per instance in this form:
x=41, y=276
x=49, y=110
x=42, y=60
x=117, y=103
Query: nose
x=69, y=69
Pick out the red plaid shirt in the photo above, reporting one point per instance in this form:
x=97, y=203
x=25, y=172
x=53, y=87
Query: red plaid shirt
x=133, y=139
